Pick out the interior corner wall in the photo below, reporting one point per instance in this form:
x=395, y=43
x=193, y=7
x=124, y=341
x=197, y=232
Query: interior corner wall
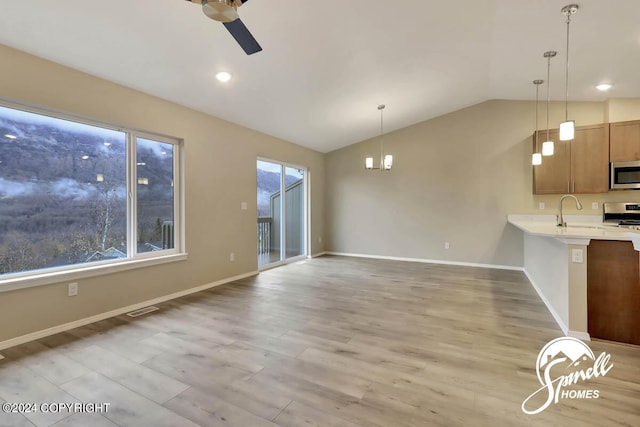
x=220, y=173
x=455, y=179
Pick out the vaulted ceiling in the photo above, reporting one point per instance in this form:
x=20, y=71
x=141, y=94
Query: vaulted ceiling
x=326, y=65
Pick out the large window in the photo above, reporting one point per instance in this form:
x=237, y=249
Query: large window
x=74, y=192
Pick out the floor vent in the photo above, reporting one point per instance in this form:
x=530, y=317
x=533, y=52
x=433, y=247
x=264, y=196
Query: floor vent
x=138, y=313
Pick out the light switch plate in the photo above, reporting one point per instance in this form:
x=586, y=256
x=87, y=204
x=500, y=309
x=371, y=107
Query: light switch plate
x=541, y=205
x=243, y=206
x=577, y=256
x=594, y=206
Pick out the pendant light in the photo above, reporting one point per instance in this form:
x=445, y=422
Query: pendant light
x=536, y=158
x=547, y=146
x=386, y=161
x=568, y=127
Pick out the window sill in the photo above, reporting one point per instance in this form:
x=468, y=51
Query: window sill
x=48, y=278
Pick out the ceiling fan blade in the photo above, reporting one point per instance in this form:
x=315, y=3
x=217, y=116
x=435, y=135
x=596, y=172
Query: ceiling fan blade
x=243, y=36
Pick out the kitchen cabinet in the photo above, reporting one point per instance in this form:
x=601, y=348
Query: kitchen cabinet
x=625, y=141
x=613, y=291
x=580, y=166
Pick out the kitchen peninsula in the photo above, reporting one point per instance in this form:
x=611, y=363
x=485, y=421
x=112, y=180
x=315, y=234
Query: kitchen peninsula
x=579, y=295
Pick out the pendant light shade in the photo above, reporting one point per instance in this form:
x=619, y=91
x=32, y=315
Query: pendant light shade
x=548, y=145
x=568, y=127
x=536, y=158
x=386, y=161
x=567, y=130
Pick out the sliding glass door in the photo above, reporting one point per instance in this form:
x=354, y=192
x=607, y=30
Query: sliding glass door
x=294, y=218
x=282, y=213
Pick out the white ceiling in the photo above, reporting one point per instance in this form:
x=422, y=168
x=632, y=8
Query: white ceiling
x=327, y=64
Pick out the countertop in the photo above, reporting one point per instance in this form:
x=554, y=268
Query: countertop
x=579, y=227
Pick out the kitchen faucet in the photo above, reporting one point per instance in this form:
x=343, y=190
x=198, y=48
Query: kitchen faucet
x=561, y=221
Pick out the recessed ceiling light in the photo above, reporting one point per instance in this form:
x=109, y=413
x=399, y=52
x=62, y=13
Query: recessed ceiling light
x=603, y=87
x=10, y=136
x=106, y=143
x=223, y=76
x=85, y=157
x=141, y=164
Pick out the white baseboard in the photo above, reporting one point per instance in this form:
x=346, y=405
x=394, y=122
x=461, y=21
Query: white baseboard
x=554, y=313
x=580, y=335
x=102, y=316
x=319, y=254
x=427, y=261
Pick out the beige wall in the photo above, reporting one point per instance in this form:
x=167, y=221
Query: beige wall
x=622, y=109
x=455, y=178
x=220, y=173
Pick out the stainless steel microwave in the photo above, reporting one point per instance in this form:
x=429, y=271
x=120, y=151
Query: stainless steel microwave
x=625, y=175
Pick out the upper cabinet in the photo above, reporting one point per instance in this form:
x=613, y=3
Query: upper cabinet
x=579, y=166
x=625, y=141
x=590, y=160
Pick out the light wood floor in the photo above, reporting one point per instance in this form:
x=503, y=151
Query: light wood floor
x=326, y=342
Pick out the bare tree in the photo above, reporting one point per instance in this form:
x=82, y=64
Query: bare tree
x=18, y=254
x=105, y=212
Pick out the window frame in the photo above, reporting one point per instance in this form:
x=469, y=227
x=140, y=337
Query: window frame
x=45, y=276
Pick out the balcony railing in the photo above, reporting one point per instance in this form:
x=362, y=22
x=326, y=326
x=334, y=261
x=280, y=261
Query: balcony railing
x=264, y=235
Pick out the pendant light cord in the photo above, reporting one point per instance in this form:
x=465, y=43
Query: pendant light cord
x=548, y=86
x=537, y=92
x=566, y=98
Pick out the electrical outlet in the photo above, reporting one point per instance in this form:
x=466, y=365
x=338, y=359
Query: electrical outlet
x=594, y=206
x=447, y=245
x=319, y=239
x=72, y=289
x=243, y=206
x=541, y=205
x=232, y=257
x=577, y=256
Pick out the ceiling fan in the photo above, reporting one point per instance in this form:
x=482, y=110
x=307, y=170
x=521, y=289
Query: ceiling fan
x=226, y=11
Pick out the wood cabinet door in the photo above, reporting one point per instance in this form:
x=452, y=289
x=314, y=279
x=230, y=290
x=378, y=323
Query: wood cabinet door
x=590, y=160
x=613, y=291
x=553, y=176
x=625, y=141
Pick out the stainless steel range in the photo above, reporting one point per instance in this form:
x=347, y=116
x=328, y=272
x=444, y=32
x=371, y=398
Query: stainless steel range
x=625, y=215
